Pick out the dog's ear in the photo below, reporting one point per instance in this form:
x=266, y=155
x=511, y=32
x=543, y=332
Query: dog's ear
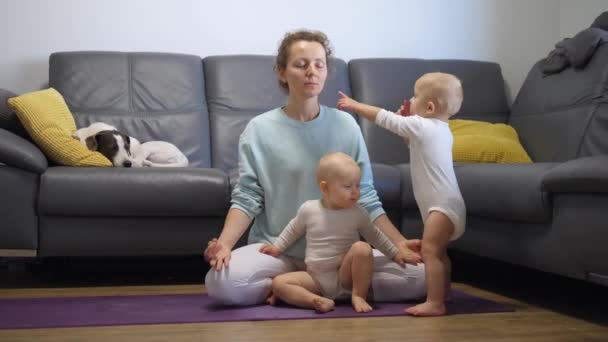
x=127, y=143
x=91, y=143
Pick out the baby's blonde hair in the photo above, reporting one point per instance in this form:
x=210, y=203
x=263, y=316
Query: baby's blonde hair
x=332, y=165
x=445, y=90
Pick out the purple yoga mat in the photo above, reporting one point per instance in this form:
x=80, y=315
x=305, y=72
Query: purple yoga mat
x=187, y=308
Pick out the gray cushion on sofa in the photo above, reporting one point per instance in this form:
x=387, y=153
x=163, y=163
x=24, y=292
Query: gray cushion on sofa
x=242, y=86
x=511, y=192
x=387, y=181
x=386, y=82
x=150, y=96
x=582, y=175
x=564, y=116
x=8, y=119
x=69, y=191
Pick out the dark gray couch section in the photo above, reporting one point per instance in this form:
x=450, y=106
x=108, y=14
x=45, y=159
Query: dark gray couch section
x=565, y=115
x=243, y=86
x=386, y=82
x=21, y=163
x=21, y=153
x=18, y=221
x=547, y=215
x=550, y=215
x=133, y=192
x=151, y=96
x=126, y=236
x=238, y=88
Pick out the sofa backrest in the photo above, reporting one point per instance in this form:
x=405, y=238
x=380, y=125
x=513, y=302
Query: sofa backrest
x=150, y=96
x=240, y=87
x=386, y=82
x=564, y=115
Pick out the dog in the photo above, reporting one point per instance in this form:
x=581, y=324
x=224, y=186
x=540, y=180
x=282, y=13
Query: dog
x=126, y=151
x=89, y=131
x=157, y=154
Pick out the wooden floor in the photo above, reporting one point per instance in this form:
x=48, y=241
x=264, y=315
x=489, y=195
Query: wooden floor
x=529, y=322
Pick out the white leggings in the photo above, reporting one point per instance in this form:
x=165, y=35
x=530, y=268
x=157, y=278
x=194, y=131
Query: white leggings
x=248, y=279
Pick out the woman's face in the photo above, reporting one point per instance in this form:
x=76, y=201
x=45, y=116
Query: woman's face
x=306, y=69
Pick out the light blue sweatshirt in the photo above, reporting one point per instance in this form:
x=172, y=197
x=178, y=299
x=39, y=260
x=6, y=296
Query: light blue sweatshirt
x=278, y=159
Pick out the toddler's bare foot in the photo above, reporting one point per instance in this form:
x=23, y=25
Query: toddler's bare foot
x=271, y=299
x=360, y=305
x=323, y=305
x=427, y=309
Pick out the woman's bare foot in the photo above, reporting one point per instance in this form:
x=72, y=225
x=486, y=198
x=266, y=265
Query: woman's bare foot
x=323, y=305
x=360, y=305
x=427, y=309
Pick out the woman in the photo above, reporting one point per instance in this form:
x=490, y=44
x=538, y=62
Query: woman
x=278, y=154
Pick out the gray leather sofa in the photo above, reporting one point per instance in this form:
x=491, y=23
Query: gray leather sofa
x=550, y=215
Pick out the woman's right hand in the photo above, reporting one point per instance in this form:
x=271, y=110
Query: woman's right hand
x=218, y=254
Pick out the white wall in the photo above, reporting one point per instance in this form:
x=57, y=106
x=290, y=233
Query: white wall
x=513, y=33
x=575, y=16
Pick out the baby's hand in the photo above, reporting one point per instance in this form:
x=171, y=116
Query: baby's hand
x=346, y=103
x=404, y=110
x=270, y=250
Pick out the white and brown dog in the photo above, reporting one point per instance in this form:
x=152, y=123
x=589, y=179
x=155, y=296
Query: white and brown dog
x=126, y=151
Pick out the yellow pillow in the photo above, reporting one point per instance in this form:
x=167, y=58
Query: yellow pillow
x=484, y=142
x=49, y=122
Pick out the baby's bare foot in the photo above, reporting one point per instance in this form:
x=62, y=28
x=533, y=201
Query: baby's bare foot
x=271, y=299
x=427, y=309
x=323, y=305
x=360, y=305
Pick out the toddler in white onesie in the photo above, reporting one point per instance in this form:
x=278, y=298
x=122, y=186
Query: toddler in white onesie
x=338, y=264
x=437, y=96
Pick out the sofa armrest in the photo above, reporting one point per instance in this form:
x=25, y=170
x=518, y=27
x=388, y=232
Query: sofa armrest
x=588, y=174
x=20, y=153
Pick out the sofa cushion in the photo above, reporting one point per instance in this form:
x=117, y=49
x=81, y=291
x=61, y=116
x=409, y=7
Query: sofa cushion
x=240, y=87
x=49, y=122
x=510, y=192
x=387, y=181
x=386, y=82
x=484, y=142
x=564, y=116
x=68, y=191
x=150, y=96
x=8, y=120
